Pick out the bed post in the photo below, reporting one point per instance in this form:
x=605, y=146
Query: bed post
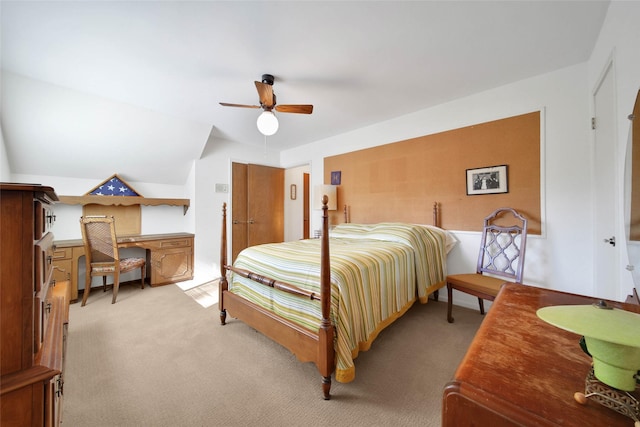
x=326, y=356
x=436, y=222
x=223, y=285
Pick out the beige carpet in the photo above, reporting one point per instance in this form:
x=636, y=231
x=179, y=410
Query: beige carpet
x=206, y=294
x=159, y=358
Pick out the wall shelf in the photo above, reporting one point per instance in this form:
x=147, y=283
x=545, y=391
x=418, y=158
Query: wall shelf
x=123, y=201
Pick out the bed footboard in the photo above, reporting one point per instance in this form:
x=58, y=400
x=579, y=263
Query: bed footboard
x=317, y=347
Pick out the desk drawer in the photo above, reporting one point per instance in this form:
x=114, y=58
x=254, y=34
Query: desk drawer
x=61, y=253
x=62, y=270
x=175, y=243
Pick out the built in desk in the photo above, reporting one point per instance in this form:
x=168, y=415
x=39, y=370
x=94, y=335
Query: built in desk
x=169, y=258
x=520, y=370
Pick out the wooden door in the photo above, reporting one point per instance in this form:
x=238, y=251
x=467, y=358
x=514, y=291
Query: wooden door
x=265, y=204
x=238, y=209
x=257, y=211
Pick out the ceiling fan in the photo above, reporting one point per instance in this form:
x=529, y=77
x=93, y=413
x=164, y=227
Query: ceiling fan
x=267, y=121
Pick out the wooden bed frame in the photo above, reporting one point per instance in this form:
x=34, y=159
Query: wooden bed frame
x=308, y=346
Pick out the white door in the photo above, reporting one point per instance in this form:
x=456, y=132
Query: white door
x=606, y=199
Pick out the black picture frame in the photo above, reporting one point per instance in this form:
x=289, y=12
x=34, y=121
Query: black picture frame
x=487, y=180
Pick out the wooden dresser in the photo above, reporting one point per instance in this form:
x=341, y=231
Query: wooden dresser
x=520, y=370
x=33, y=309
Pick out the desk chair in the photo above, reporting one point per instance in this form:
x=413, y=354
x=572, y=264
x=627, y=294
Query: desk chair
x=101, y=251
x=501, y=257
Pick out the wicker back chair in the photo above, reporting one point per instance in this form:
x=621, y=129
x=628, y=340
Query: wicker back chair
x=102, y=258
x=501, y=258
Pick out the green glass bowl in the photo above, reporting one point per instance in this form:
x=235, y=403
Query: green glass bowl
x=612, y=337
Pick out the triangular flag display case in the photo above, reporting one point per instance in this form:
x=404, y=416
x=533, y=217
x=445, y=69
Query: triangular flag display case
x=115, y=191
x=113, y=186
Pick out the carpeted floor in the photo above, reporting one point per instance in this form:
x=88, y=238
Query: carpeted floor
x=206, y=294
x=159, y=358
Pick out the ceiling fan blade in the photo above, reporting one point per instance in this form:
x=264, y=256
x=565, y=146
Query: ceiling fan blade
x=300, y=109
x=239, y=105
x=265, y=91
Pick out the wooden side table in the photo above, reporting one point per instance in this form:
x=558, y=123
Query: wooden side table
x=520, y=370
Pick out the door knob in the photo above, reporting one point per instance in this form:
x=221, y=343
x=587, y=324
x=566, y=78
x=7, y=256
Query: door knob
x=611, y=241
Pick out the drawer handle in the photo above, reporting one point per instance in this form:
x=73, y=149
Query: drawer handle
x=60, y=387
x=48, y=307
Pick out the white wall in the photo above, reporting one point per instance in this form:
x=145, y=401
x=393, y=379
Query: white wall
x=552, y=259
x=559, y=259
x=215, y=167
x=619, y=40
x=562, y=258
x=5, y=168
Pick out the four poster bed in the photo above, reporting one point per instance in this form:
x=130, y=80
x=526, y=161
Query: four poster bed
x=326, y=308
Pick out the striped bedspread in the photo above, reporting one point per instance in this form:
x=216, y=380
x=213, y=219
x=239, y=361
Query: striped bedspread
x=377, y=273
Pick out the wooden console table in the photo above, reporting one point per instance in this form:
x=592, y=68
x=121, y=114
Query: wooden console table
x=520, y=370
x=169, y=258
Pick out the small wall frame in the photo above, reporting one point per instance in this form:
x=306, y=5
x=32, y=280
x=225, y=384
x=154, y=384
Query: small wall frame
x=487, y=180
x=336, y=177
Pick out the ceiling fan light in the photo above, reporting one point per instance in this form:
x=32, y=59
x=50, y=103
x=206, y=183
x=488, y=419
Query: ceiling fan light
x=267, y=123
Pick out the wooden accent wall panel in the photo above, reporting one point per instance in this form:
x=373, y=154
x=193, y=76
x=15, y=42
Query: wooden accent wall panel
x=400, y=181
x=128, y=218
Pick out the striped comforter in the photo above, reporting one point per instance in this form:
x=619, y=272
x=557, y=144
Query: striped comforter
x=377, y=273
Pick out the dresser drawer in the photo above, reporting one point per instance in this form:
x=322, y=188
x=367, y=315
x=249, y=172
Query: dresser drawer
x=43, y=304
x=44, y=218
x=43, y=259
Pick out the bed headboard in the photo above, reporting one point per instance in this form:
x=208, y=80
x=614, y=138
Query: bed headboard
x=436, y=214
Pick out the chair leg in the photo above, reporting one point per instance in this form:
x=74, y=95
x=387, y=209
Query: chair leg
x=87, y=288
x=116, y=286
x=143, y=272
x=449, y=303
x=481, y=304
x=104, y=283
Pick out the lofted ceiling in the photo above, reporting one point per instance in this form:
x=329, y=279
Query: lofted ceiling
x=92, y=88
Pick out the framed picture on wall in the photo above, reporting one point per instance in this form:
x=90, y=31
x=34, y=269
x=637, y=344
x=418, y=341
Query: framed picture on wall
x=336, y=177
x=487, y=180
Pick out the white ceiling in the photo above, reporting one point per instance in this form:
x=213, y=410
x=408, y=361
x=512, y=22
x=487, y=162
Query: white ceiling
x=146, y=77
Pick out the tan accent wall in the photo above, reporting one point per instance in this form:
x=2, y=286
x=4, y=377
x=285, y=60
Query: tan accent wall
x=401, y=181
